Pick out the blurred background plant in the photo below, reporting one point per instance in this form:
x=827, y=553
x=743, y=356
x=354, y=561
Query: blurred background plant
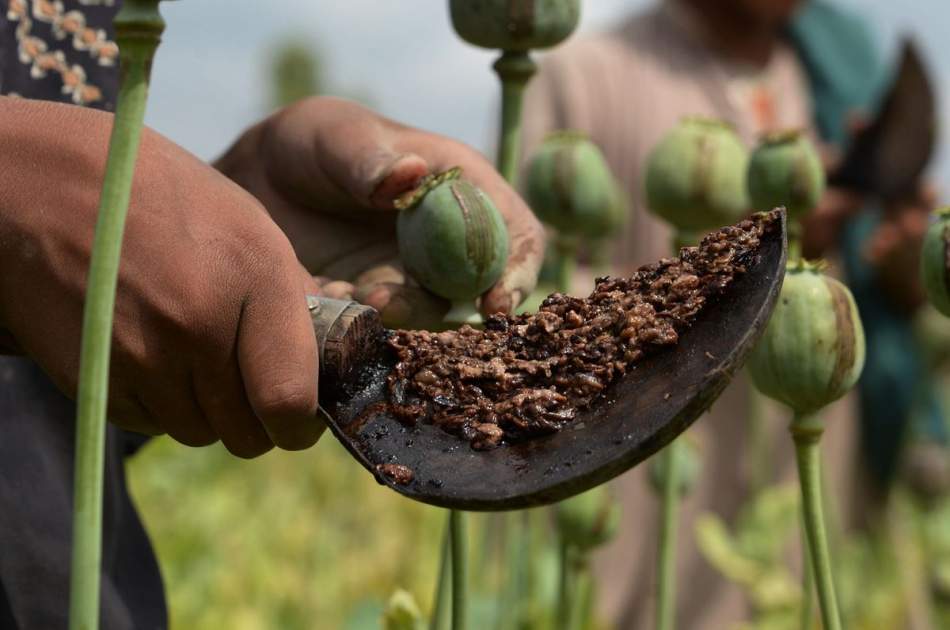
x=296, y=71
x=882, y=578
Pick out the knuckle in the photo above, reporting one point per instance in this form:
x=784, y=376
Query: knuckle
x=286, y=397
x=261, y=253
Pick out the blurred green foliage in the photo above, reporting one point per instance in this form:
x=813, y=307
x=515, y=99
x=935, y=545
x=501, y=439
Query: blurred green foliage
x=296, y=72
x=310, y=540
x=286, y=541
x=402, y=612
x=753, y=555
x=885, y=578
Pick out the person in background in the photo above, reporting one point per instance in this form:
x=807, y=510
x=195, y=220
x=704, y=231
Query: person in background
x=903, y=422
x=740, y=61
x=212, y=338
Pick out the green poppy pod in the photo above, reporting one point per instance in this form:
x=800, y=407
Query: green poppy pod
x=686, y=460
x=571, y=188
x=696, y=176
x=812, y=351
x=515, y=25
x=589, y=519
x=786, y=170
x=935, y=261
x=452, y=240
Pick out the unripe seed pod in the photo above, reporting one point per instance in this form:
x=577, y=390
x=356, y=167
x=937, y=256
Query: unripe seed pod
x=786, y=170
x=935, y=261
x=696, y=176
x=515, y=25
x=402, y=612
x=589, y=519
x=687, y=461
x=571, y=188
x=452, y=239
x=812, y=351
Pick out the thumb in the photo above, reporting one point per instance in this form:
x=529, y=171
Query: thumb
x=386, y=177
x=339, y=152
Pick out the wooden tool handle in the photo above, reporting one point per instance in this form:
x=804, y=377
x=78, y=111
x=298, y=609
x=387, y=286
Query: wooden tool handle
x=348, y=335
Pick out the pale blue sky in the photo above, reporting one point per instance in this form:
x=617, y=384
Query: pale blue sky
x=210, y=76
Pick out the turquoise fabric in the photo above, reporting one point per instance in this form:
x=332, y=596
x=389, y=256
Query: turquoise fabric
x=897, y=393
x=844, y=67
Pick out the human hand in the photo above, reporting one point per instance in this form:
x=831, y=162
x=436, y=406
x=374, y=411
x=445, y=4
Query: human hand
x=212, y=336
x=328, y=171
x=893, y=250
x=821, y=228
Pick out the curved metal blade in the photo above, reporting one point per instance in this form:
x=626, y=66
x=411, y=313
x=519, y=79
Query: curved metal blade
x=888, y=157
x=639, y=414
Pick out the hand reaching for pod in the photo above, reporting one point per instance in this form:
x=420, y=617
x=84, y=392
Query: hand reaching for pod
x=329, y=170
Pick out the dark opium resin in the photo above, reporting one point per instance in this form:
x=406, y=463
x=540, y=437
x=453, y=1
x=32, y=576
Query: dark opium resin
x=528, y=375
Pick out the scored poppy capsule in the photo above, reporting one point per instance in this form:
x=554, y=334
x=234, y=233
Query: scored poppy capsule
x=515, y=25
x=935, y=261
x=696, y=176
x=786, y=170
x=571, y=188
x=812, y=351
x=452, y=240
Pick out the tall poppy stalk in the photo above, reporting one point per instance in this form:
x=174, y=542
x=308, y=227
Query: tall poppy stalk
x=138, y=27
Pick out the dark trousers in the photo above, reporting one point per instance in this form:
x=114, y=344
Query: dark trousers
x=36, y=484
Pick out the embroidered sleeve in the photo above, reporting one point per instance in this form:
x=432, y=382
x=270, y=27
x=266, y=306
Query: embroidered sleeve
x=59, y=50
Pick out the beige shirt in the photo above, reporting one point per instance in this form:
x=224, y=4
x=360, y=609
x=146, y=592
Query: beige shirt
x=626, y=89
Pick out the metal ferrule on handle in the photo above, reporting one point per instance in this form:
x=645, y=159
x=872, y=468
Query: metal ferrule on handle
x=348, y=336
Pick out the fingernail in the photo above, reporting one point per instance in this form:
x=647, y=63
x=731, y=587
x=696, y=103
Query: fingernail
x=401, y=176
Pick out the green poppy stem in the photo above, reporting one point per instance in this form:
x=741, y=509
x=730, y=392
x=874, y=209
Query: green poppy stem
x=514, y=69
x=666, y=563
x=440, y=603
x=138, y=31
x=564, y=604
x=457, y=535
x=575, y=589
x=517, y=594
x=565, y=249
x=794, y=241
x=806, y=431
x=759, y=457
x=583, y=592
x=808, y=583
